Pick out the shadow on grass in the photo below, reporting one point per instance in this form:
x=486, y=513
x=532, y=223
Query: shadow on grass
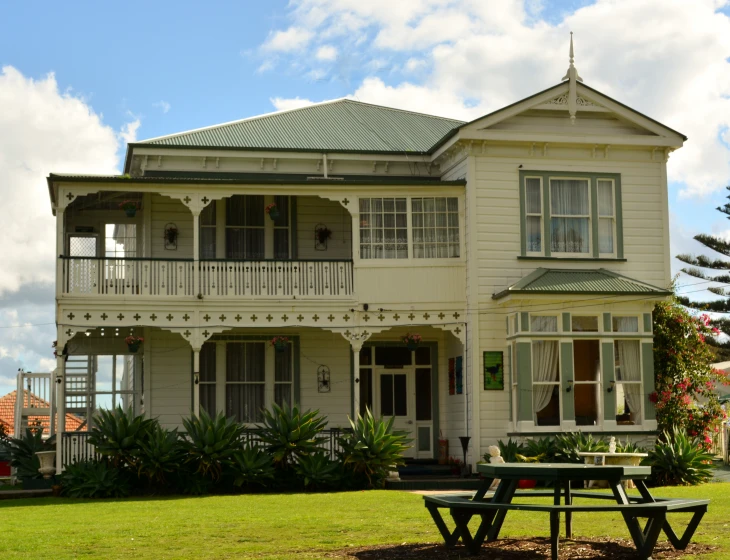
x=519, y=549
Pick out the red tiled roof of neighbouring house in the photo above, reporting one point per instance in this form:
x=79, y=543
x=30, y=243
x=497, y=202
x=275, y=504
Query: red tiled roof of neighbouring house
x=7, y=412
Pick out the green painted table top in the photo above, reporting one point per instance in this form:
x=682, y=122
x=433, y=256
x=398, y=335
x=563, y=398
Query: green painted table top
x=562, y=471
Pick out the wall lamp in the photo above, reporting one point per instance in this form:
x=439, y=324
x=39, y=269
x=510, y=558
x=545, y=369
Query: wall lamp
x=611, y=385
x=569, y=388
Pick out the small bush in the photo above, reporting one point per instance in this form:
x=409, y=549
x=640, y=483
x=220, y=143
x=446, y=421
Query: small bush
x=118, y=434
x=159, y=455
x=373, y=449
x=95, y=479
x=290, y=434
x=629, y=447
x=678, y=459
x=569, y=445
x=23, y=452
x=509, y=451
x=317, y=471
x=543, y=450
x=210, y=443
x=252, y=467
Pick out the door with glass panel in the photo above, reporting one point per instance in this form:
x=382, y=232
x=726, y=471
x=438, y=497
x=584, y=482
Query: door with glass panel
x=395, y=394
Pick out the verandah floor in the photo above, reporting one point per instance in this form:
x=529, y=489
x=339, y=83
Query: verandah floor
x=277, y=526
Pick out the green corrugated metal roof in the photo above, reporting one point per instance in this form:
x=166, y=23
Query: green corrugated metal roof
x=342, y=125
x=598, y=281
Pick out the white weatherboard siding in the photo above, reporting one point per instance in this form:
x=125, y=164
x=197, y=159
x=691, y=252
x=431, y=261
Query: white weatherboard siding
x=498, y=246
x=457, y=171
x=452, y=406
x=555, y=122
x=170, y=369
x=312, y=211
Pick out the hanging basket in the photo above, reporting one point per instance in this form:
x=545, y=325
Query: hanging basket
x=412, y=341
x=134, y=347
x=130, y=211
x=133, y=343
x=280, y=343
x=274, y=214
x=412, y=345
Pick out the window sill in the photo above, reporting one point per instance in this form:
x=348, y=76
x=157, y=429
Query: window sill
x=572, y=259
x=409, y=263
x=607, y=431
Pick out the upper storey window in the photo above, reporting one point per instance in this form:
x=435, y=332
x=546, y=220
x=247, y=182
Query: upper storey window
x=402, y=228
x=570, y=215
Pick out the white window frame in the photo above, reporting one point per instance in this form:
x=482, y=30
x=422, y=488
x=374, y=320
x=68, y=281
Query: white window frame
x=612, y=217
x=541, y=216
x=557, y=383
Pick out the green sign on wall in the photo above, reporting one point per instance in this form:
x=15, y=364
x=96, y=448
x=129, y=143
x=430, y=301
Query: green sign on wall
x=493, y=371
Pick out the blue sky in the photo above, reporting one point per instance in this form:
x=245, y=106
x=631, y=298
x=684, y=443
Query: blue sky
x=133, y=70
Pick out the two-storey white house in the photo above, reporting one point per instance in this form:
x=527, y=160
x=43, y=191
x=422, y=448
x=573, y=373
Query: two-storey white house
x=527, y=248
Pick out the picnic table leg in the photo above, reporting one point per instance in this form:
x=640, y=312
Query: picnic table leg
x=504, y=498
x=450, y=538
x=568, y=514
x=554, y=533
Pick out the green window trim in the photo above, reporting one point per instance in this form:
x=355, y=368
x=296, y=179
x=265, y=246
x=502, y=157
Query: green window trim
x=593, y=178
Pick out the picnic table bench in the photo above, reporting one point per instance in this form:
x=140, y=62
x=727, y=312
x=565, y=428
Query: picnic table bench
x=464, y=506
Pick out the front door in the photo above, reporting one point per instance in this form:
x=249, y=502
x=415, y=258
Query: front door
x=397, y=396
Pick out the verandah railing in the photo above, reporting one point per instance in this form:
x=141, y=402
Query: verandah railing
x=227, y=278
x=75, y=446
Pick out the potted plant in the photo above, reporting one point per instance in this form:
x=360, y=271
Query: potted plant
x=412, y=340
x=171, y=235
x=455, y=463
x=272, y=211
x=133, y=342
x=130, y=207
x=280, y=343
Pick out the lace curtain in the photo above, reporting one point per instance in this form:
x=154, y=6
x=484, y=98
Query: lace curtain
x=245, y=380
x=569, y=197
x=544, y=370
x=629, y=356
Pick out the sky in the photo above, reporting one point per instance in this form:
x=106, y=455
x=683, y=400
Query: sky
x=78, y=80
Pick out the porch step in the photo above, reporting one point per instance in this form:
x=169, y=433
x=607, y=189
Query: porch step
x=424, y=469
x=433, y=483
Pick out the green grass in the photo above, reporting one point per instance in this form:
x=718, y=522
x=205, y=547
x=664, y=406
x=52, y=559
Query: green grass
x=278, y=526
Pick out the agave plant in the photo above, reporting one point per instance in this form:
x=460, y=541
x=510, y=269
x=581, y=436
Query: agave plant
x=628, y=447
x=543, y=450
x=117, y=434
x=678, y=459
x=211, y=442
x=95, y=479
x=317, y=470
x=373, y=448
x=160, y=454
x=290, y=434
x=509, y=451
x=569, y=445
x=252, y=466
x=23, y=452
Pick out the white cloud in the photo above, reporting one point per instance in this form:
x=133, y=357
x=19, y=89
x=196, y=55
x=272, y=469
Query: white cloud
x=326, y=53
x=485, y=55
x=292, y=39
x=283, y=104
x=414, y=64
x=164, y=105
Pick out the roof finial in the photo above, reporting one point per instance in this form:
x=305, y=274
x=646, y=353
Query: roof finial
x=572, y=76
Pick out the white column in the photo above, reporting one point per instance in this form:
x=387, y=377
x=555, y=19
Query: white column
x=60, y=234
x=268, y=230
x=220, y=377
x=356, y=385
x=196, y=252
x=196, y=381
x=60, y=407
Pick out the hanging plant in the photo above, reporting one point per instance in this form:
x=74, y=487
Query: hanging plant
x=272, y=211
x=323, y=234
x=133, y=343
x=280, y=343
x=130, y=207
x=412, y=340
x=171, y=235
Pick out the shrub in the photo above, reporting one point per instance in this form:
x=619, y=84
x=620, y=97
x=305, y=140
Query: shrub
x=23, y=452
x=373, y=449
x=210, y=443
x=509, y=451
x=290, y=434
x=628, y=447
x=160, y=454
x=118, y=433
x=543, y=450
x=678, y=459
x=569, y=445
x=252, y=467
x=317, y=470
x=95, y=479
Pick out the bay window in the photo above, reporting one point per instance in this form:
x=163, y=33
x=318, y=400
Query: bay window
x=570, y=215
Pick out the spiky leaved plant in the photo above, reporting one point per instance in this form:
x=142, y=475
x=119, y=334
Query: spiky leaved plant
x=117, y=435
x=678, y=459
x=289, y=433
x=252, y=466
x=211, y=442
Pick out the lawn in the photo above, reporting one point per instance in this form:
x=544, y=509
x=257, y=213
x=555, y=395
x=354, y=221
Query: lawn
x=277, y=526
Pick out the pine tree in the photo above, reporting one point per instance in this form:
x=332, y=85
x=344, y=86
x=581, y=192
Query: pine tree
x=699, y=262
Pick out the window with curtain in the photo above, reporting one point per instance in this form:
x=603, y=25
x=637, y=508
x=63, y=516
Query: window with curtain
x=207, y=378
x=281, y=228
x=543, y=323
x=435, y=227
x=245, y=227
x=570, y=220
x=245, y=380
x=606, y=217
x=627, y=356
x=533, y=214
x=283, y=376
x=383, y=228
x=545, y=383
x=207, y=231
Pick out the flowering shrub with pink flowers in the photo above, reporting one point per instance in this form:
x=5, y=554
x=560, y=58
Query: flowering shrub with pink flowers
x=685, y=396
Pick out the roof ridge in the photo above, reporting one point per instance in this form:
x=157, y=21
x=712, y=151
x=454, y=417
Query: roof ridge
x=306, y=107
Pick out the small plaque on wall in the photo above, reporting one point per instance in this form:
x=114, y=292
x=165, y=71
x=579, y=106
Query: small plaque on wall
x=493, y=371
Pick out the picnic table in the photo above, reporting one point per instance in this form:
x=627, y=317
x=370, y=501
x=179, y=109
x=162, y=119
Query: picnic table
x=462, y=507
